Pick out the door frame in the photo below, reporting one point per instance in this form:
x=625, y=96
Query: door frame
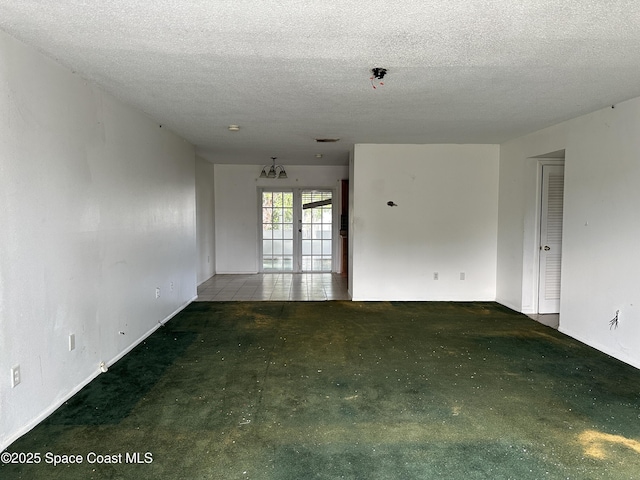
x=541, y=163
x=297, y=215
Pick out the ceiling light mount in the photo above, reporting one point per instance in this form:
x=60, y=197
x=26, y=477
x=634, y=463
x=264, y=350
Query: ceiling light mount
x=275, y=171
x=377, y=74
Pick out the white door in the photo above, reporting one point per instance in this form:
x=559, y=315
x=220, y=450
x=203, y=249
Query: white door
x=551, y=238
x=277, y=220
x=316, y=227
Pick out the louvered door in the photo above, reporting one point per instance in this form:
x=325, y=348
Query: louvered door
x=551, y=239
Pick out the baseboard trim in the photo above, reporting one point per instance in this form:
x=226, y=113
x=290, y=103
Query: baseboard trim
x=618, y=355
x=149, y=332
x=206, y=279
x=509, y=305
x=242, y=273
x=37, y=420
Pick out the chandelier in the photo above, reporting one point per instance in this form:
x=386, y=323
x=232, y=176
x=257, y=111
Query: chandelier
x=275, y=171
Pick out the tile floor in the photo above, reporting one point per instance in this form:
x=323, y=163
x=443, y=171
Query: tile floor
x=549, y=319
x=298, y=287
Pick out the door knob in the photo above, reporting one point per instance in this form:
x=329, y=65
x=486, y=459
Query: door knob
x=547, y=248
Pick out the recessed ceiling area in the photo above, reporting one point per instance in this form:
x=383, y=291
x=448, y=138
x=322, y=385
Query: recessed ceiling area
x=290, y=72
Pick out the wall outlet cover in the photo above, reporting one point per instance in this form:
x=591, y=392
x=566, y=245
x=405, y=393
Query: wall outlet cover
x=15, y=376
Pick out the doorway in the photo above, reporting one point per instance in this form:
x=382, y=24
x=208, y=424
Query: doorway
x=297, y=230
x=550, y=244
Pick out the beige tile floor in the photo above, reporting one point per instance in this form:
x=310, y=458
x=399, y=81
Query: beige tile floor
x=549, y=319
x=298, y=287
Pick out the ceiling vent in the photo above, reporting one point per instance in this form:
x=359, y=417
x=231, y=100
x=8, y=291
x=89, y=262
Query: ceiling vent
x=327, y=140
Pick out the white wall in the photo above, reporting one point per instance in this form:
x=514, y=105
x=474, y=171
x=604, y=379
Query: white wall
x=518, y=208
x=445, y=222
x=236, y=208
x=98, y=209
x=601, y=259
x=205, y=219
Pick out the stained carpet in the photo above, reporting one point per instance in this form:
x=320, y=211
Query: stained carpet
x=347, y=390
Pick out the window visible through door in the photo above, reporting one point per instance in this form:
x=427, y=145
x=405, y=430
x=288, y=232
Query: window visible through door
x=316, y=230
x=277, y=231
x=297, y=230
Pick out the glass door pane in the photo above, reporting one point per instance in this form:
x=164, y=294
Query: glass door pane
x=277, y=231
x=316, y=231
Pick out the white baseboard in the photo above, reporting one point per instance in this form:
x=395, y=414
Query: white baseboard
x=52, y=408
x=509, y=305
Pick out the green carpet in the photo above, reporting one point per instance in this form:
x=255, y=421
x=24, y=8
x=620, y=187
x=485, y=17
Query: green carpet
x=348, y=390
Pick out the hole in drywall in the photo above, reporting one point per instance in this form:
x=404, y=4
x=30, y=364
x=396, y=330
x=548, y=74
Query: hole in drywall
x=377, y=74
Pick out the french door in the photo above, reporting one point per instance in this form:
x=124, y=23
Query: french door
x=277, y=231
x=297, y=230
x=316, y=227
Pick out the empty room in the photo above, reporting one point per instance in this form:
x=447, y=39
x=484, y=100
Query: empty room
x=284, y=240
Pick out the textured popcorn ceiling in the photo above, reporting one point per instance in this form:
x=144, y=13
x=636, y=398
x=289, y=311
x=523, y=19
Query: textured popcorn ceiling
x=460, y=71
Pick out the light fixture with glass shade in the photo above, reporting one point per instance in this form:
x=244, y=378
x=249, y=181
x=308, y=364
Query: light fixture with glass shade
x=275, y=171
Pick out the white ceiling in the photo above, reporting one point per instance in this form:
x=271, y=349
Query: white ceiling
x=288, y=71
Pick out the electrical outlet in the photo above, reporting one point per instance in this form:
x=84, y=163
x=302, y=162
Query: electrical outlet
x=435, y=275
x=72, y=342
x=15, y=376
x=462, y=276
x=171, y=286
x=157, y=292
